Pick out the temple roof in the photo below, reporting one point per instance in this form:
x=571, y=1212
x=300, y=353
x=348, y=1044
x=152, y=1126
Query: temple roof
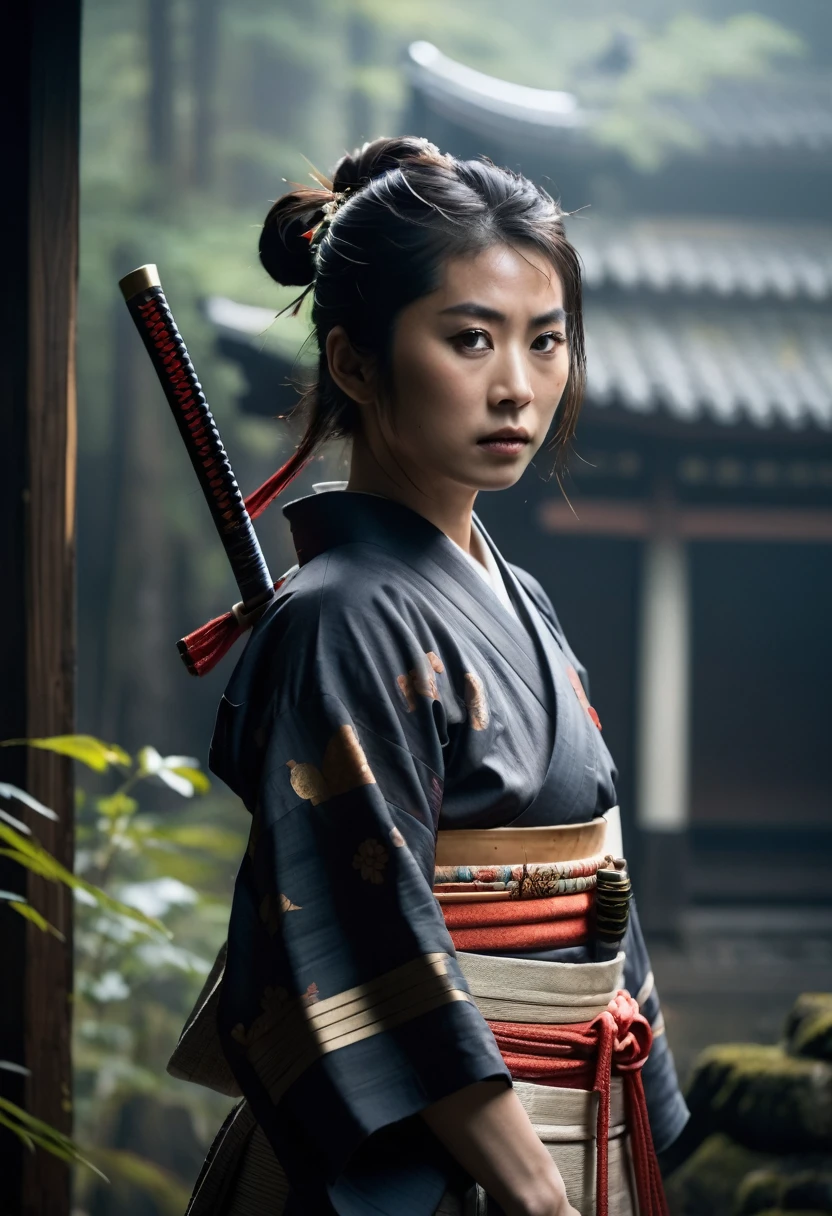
x=692, y=256
x=772, y=113
x=701, y=362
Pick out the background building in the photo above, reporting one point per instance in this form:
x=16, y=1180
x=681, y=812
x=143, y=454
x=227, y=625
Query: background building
x=689, y=558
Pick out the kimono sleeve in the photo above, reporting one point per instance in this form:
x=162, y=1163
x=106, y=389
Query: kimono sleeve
x=343, y=1009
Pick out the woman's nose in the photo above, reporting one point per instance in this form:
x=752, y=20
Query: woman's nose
x=512, y=384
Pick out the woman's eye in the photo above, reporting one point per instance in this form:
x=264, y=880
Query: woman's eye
x=473, y=339
x=548, y=342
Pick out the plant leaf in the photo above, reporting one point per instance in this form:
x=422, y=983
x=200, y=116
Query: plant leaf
x=12, y=791
x=196, y=777
x=34, y=1131
x=207, y=838
x=116, y=804
x=178, y=784
x=29, y=913
x=8, y=1066
x=85, y=748
x=27, y=1140
x=17, y=824
x=149, y=761
x=34, y=856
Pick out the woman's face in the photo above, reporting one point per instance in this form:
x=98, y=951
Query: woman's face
x=478, y=369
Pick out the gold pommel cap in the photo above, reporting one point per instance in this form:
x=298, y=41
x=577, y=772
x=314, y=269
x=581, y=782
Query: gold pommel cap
x=139, y=280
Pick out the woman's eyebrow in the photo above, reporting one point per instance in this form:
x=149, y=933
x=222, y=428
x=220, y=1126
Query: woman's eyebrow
x=555, y=315
x=483, y=313
x=469, y=309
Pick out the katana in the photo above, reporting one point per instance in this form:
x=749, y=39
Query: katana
x=145, y=299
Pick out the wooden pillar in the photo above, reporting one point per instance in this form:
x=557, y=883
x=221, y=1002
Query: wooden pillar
x=37, y=431
x=662, y=740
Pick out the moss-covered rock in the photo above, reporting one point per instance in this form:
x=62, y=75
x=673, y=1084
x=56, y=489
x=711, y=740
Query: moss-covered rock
x=788, y=1186
x=758, y=1192
x=764, y=1098
x=706, y=1184
x=808, y=1027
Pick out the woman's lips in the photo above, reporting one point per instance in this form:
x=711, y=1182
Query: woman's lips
x=503, y=446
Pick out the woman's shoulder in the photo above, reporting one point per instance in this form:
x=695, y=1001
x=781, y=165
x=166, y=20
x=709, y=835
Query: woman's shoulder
x=338, y=610
x=357, y=582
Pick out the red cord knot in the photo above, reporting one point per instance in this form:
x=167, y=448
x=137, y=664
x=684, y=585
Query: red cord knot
x=587, y=1055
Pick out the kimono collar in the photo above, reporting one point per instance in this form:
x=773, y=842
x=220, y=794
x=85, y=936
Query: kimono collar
x=336, y=517
x=328, y=520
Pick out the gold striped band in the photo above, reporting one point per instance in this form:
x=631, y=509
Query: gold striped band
x=283, y=1043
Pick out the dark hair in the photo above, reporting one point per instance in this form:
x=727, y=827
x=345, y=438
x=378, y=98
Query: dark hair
x=373, y=240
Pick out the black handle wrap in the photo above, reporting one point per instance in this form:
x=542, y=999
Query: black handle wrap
x=169, y=355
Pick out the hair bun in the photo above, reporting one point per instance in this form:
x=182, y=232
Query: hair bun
x=378, y=157
x=285, y=252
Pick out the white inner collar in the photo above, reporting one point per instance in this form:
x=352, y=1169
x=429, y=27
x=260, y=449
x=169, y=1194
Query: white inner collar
x=482, y=559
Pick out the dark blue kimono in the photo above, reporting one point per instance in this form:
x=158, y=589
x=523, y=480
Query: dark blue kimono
x=385, y=694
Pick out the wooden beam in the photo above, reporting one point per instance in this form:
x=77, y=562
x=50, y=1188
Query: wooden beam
x=37, y=405
x=53, y=272
x=638, y=520
x=791, y=524
x=597, y=517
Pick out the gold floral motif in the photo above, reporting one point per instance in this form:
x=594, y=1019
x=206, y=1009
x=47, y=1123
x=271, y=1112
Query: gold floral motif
x=475, y=701
x=421, y=680
x=344, y=768
x=370, y=859
x=396, y=838
x=272, y=908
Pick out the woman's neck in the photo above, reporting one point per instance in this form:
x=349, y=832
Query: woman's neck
x=446, y=504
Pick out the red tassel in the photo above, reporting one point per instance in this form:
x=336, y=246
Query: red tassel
x=203, y=649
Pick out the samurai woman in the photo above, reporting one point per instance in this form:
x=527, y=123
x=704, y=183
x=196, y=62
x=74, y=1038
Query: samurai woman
x=412, y=1031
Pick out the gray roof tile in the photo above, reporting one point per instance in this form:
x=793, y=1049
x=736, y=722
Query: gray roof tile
x=763, y=366
x=723, y=258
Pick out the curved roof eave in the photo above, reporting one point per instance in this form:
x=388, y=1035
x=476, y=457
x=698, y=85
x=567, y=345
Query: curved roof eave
x=465, y=93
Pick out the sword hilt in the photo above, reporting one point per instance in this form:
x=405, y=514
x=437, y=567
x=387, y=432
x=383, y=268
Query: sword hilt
x=145, y=299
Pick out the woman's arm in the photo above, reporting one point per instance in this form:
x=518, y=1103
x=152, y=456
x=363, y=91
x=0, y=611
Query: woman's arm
x=486, y=1129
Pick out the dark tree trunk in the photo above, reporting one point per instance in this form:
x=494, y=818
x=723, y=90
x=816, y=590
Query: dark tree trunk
x=161, y=141
x=360, y=34
x=37, y=432
x=205, y=45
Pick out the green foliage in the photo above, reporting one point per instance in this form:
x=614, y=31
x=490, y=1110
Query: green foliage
x=681, y=60
x=127, y=866
x=34, y=1133
x=84, y=748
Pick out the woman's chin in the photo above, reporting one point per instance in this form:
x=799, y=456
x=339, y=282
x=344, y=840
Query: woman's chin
x=499, y=479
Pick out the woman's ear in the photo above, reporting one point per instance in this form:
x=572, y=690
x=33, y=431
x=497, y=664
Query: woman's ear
x=354, y=373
